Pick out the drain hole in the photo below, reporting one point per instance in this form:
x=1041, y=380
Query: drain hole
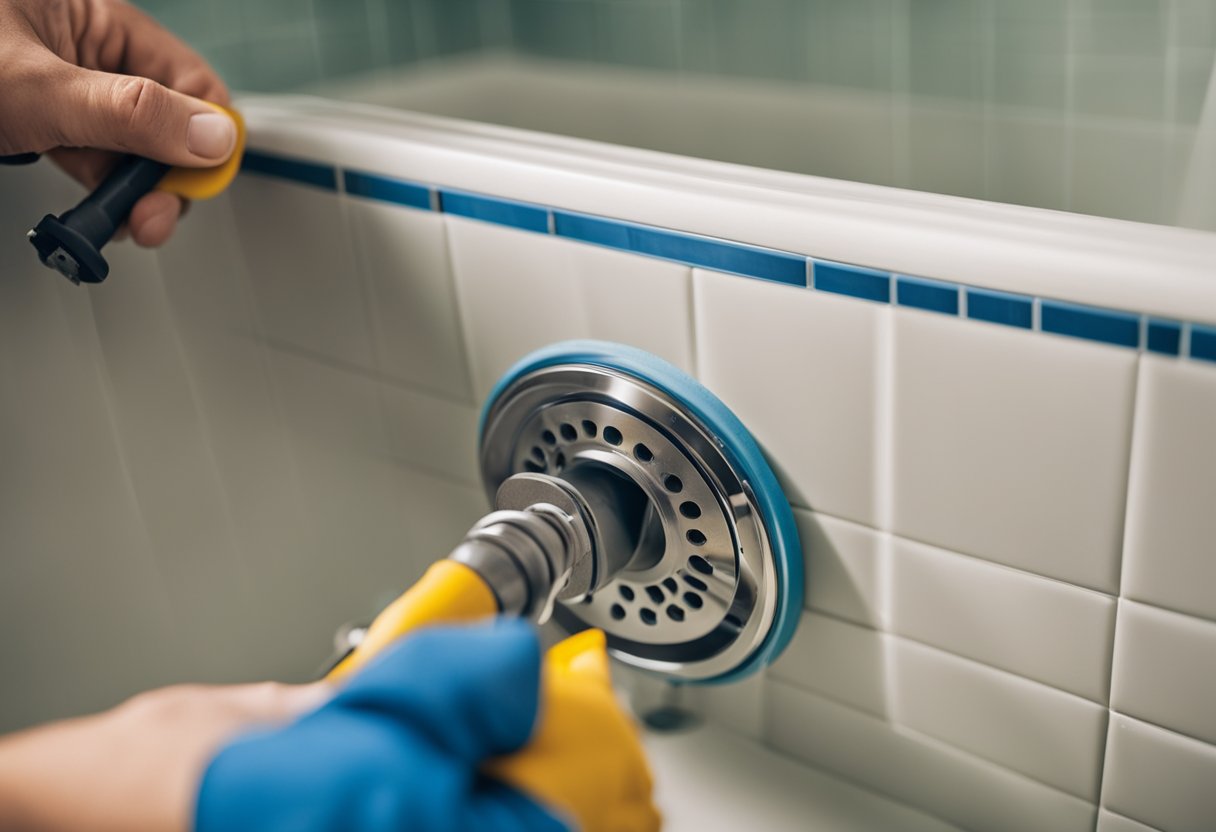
x=690, y=510
x=693, y=600
x=548, y=436
x=671, y=585
x=695, y=583
x=675, y=613
x=701, y=565
x=617, y=612
x=655, y=594
x=695, y=536
x=648, y=616
x=589, y=428
x=538, y=454
x=533, y=467
x=642, y=452
x=673, y=483
x=559, y=462
x=626, y=592
x=569, y=433
x=613, y=436
x=734, y=621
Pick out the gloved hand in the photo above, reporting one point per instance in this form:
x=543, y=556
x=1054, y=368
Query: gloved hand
x=585, y=758
x=397, y=748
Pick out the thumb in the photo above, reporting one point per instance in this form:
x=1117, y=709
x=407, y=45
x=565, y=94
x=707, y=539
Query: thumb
x=137, y=115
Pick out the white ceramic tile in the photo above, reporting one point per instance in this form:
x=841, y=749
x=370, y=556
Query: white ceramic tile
x=800, y=369
x=1158, y=777
x=1011, y=445
x=1165, y=669
x=255, y=401
x=919, y=770
x=404, y=257
x=373, y=526
x=1167, y=557
x=519, y=291
x=1050, y=736
x=845, y=568
x=167, y=454
x=204, y=270
x=302, y=268
x=432, y=433
x=709, y=779
x=329, y=405
x=1036, y=627
x=79, y=588
x=1108, y=821
x=736, y=706
x=839, y=660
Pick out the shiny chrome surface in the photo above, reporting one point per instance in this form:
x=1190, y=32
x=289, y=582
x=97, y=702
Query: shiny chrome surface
x=683, y=578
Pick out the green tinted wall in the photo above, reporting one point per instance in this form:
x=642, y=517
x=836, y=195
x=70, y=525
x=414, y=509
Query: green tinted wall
x=1146, y=59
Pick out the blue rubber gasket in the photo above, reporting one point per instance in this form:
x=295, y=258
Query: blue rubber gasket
x=737, y=445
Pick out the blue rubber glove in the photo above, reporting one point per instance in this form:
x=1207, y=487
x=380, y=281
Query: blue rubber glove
x=397, y=748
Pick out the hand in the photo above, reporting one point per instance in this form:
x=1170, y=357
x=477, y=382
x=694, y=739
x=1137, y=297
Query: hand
x=424, y=738
x=84, y=79
x=585, y=757
x=135, y=768
x=398, y=747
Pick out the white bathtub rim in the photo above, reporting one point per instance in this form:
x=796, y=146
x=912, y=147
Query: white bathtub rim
x=1157, y=270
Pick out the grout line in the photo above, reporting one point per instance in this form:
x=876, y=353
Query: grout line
x=363, y=372
x=1184, y=340
x=810, y=273
x=895, y=535
x=936, y=742
x=1143, y=336
x=550, y=221
x=1036, y=315
x=891, y=633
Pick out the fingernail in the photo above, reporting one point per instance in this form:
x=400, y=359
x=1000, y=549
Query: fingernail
x=211, y=135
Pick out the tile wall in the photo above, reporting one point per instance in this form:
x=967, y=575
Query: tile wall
x=1093, y=106
x=1008, y=621
x=1005, y=522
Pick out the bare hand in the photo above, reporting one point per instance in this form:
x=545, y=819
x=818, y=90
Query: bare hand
x=83, y=79
x=135, y=768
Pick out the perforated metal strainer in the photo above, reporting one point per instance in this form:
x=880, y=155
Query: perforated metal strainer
x=699, y=573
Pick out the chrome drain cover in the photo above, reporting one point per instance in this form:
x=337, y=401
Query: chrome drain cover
x=702, y=593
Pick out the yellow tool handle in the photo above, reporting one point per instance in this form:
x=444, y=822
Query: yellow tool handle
x=448, y=593
x=205, y=183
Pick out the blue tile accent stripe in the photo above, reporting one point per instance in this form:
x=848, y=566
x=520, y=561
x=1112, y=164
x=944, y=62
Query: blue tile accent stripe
x=1090, y=322
x=1203, y=342
x=294, y=170
x=691, y=249
x=932, y=295
x=1164, y=337
x=386, y=189
x=1105, y=326
x=854, y=281
x=1000, y=308
x=494, y=209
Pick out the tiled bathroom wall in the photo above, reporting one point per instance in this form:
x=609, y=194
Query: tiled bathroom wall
x=287, y=44
x=1093, y=106
x=1002, y=468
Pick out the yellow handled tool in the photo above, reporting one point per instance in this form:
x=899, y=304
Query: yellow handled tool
x=585, y=760
x=449, y=593
x=71, y=243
